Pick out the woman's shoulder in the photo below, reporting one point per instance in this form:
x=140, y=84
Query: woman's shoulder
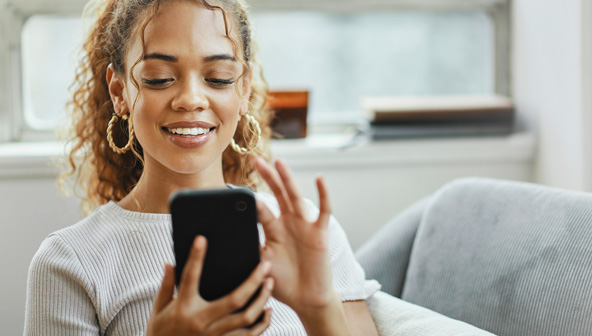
x=90, y=225
x=108, y=228
x=60, y=251
x=64, y=241
x=109, y=236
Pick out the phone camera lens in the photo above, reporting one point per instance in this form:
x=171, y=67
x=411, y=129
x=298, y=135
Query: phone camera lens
x=241, y=205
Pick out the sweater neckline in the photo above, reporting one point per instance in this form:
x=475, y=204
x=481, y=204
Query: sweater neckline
x=145, y=216
x=135, y=215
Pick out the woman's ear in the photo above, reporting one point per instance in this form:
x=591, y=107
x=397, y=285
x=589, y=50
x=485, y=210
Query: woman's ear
x=116, y=89
x=246, y=91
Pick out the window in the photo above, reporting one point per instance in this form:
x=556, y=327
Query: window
x=337, y=52
x=49, y=61
x=341, y=58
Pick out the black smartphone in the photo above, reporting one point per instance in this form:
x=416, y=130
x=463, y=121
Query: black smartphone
x=227, y=218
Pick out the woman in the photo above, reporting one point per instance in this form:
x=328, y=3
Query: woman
x=165, y=88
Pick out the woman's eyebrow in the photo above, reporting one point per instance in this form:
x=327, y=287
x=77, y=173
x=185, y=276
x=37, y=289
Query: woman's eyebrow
x=159, y=56
x=219, y=57
x=174, y=59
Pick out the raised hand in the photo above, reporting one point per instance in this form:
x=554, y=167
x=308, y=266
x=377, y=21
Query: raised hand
x=297, y=246
x=190, y=314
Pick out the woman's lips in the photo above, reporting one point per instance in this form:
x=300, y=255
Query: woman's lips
x=189, y=141
x=188, y=124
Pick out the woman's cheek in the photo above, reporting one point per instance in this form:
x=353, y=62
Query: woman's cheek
x=227, y=103
x=155, y=101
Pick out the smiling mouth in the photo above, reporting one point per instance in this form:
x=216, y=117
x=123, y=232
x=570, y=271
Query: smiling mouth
x=188, y=132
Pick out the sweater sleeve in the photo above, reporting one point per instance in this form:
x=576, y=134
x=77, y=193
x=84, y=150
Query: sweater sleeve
x=349, y=278
x=59, y=293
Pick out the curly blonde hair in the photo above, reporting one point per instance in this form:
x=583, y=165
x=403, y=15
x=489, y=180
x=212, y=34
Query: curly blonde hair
x=94, y=168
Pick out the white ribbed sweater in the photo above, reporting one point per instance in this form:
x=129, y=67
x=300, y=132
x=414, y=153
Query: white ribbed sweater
x=99, y=277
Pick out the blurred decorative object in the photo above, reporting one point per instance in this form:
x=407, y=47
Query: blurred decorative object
x=406, y=117
x=290, y=109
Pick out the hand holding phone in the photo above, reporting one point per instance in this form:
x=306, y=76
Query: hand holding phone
x=227, y=218
x=189, y=314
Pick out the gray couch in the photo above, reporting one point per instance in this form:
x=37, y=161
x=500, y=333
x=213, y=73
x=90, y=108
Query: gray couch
x=510, y=258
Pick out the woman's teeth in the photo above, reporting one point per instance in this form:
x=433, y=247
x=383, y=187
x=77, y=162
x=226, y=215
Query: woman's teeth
x=189, y=131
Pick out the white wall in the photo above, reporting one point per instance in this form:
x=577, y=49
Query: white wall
x=547, y=87
x=31, y=208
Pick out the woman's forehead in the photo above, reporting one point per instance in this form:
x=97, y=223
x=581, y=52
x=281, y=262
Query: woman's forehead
x=187, y=28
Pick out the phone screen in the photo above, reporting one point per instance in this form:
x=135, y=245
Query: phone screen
x=228, y=220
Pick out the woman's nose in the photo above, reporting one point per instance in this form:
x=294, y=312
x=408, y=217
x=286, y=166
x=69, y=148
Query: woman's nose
x=190, y=97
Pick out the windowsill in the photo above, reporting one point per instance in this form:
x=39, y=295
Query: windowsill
x=318, y=151
x=29, y=159
x=337, y=150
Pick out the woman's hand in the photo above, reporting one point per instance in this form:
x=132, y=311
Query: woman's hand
x=190, y=314
x=296, y=245
x=298, y=248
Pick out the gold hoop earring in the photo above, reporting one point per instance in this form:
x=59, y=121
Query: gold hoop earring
x=112, y=144
x=257, y=128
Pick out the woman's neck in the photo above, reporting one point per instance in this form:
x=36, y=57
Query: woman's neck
x=152, y=193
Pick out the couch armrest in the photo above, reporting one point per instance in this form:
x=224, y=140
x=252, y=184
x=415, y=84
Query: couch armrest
x=385, y=256
x=394, y=316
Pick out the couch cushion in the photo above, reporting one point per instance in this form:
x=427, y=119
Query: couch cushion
x=395, y=317
x=512, y=258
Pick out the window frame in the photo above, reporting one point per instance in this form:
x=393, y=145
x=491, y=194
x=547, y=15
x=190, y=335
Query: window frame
x=586, y=29
x=14, y=14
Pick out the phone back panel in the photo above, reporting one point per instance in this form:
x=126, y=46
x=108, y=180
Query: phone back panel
x=228, y=220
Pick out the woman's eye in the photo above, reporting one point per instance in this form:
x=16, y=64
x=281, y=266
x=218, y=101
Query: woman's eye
x=157, y=81
x=219, y=82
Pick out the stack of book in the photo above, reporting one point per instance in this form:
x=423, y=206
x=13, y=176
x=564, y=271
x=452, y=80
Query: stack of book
x=410, y=117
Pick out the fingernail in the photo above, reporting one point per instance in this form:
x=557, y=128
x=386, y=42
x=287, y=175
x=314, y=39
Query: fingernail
x=269, y=284
x=265, y=267
x=198, y=242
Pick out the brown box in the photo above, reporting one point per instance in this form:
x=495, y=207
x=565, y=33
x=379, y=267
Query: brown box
x=291, y=109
